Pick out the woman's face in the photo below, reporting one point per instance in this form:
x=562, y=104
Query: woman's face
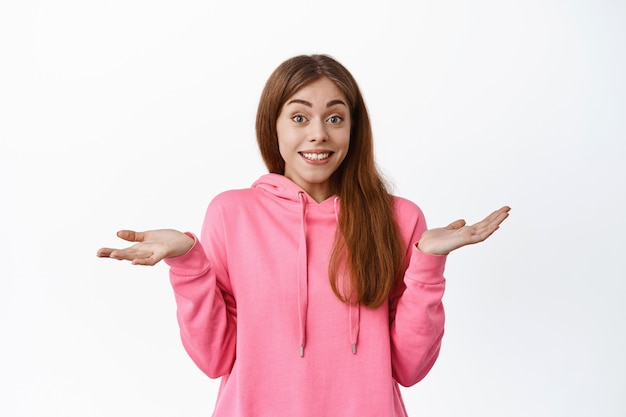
x=313, y=136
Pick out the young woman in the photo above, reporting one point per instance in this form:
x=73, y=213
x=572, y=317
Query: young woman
x=314, y=292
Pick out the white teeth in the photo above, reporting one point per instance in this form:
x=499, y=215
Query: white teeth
x=316, y=156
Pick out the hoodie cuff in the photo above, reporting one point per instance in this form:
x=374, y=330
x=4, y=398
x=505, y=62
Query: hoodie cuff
x=193, y=262
x=425, y=267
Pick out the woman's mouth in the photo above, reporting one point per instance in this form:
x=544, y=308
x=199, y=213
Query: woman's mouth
x=316, y=156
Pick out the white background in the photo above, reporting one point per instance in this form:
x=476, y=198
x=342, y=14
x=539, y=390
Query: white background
x=135, y=113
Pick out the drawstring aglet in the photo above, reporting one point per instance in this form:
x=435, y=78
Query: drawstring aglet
x=301, y=351
x=354, y=348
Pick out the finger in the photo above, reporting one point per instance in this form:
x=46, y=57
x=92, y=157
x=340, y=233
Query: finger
x=482, y=230
x=494, y=219
x=500, y=214
x=457, y=224
x=485, y=228
x=497, y=219
x=495, y=214
x=130, y=254
x=104, y=252
x=483, y=234
x=131, y=235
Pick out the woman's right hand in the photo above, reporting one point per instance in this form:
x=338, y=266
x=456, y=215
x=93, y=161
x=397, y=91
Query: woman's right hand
x=151, y=247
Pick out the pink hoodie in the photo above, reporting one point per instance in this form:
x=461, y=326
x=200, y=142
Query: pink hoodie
x=255, y=307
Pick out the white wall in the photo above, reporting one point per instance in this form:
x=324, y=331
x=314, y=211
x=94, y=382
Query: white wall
x=135, y=113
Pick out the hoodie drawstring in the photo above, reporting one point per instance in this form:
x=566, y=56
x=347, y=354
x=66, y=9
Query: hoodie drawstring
x=303, y=285
x=303, y=277
x=354, y=309
x=355, y=318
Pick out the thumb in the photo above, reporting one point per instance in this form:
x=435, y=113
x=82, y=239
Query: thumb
x=457, y=224
x=131, y=235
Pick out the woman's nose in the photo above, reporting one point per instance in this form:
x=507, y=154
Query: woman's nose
x=317, y=131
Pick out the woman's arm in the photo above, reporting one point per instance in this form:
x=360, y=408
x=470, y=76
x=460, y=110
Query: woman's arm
x=205, y=315
x=205, y=310
x=416, y=311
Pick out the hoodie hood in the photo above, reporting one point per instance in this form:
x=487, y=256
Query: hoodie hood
x=281, y=187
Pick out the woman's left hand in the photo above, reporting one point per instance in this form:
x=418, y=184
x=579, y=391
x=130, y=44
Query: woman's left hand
x=443, y=240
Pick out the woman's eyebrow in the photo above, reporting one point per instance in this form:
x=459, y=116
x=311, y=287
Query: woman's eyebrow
x=299, y=101
x=334, y=102
x=308, y=103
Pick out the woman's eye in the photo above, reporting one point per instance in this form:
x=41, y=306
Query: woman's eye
x=334, y=119
x=298, y=118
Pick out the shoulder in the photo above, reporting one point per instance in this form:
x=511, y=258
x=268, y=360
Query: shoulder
x=405, y=209
x=233, y=200
x=409, y=218
x=237, y=196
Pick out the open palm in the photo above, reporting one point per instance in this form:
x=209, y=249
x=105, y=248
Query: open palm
x=151, y=247
x=443, y=240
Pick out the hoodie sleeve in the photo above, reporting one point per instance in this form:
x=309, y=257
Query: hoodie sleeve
x=206, y=310
x=416, y=310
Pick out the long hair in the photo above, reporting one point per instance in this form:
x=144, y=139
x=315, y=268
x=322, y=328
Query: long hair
x=368, y=248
